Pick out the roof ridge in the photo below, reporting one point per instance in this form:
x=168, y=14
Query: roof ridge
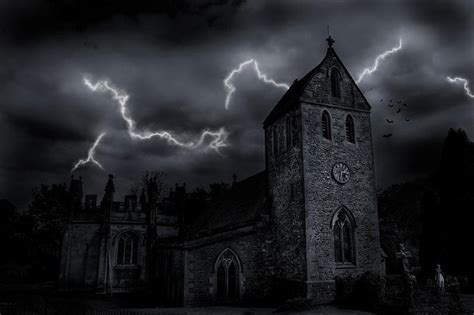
x=299, y=84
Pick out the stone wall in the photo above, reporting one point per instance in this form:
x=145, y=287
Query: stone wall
x=84, y=253
x=80, y=256
x=253, y=250
x=286, y=194
x=319, y=88
x=168, y=282
x=324, y=196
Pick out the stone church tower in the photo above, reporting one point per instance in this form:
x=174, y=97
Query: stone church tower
x=321, y=180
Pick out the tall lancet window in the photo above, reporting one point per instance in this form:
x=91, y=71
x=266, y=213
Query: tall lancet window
x=335, y=83
x=275, y=140
x=343, y=226
x=127, y=250
x=288, y=132
x=350, y=130
x=294, y=129
x=227, y=269
x=326, y=125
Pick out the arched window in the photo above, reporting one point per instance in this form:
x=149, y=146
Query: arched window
x=335, y=83
x=288, y=132
x=294, y=129
x=275, y=140
x=127, y=249
x=350, y=131
x=343, y=226
x=326, y=125
x=227, y=276
x=281, y=138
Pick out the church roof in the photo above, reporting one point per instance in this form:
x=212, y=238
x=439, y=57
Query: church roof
x=290, y=98
x=297, y=89
x=238, y=207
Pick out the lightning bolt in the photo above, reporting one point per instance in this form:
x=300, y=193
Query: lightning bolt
x=465, y=84
x=90, y=155
x=261, y=76
x=218, y=137
x=379, y=58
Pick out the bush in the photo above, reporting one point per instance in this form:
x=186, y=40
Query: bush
x=365, y=291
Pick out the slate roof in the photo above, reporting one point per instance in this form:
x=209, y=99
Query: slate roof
x=238, y=207
x=293, y=94
x=290, y=98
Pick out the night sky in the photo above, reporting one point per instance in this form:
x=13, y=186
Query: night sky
x=171, y=57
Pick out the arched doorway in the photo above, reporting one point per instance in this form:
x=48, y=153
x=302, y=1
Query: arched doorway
x=227, y=277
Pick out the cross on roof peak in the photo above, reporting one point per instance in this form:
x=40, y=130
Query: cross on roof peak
x=330, y=41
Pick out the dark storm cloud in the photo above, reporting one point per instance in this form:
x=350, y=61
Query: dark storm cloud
x=171, y=58
x=36, y=19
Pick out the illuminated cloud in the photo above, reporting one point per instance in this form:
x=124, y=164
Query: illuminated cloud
x=379, y=58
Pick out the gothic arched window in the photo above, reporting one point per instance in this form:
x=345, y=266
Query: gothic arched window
x=227, y=276
x=343, y=226
x=350, y=130
x=288, y=132
x=294, y=129
x=127, y=249
x=335, y=83
x=326, y=125
x=275, y=140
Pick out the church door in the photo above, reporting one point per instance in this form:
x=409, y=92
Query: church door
x=227, y=278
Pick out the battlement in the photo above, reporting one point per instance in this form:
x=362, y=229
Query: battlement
x=129, y=204
x=132, y=207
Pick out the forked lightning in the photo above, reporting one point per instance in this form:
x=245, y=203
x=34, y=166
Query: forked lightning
x=261, y=76
x=379, y=58
x=465, y=84
x=90, y=155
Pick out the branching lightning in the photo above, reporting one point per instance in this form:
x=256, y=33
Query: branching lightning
x=90, y=155
x=465, y=84
x=378, y=59
x=219, y=137
x=261, y=76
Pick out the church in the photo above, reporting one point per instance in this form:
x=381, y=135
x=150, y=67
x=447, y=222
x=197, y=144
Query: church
x=285, y=232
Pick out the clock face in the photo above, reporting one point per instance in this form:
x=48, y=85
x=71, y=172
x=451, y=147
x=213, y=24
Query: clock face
x=341, y=173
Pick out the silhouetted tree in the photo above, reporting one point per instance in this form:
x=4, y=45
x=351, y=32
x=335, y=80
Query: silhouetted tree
x=153, y=184
x=49, y=213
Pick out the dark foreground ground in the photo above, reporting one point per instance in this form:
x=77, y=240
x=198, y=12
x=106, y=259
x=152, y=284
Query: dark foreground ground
x=42, y=306
x=323, y=309
x=43, y=301
x=40, y=300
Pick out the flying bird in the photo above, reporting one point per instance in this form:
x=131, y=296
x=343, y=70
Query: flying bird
x=404, y=104
x=389, y=121
x=407, y=119
x=381, y=99
x=399, y=110
x=387, y=135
